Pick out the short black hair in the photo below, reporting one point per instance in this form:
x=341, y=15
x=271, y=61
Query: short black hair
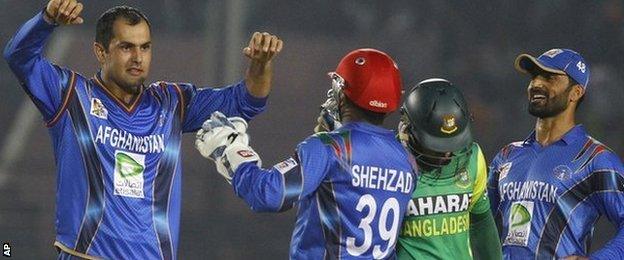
x=104, y=27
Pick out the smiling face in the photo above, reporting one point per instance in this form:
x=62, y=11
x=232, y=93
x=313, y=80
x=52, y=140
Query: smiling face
x=548, y=93
x=126, y=60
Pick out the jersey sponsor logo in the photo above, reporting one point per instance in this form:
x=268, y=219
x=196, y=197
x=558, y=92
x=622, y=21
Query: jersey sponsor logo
x=449, y=203
x=128, y=176
x=430, y=227
x=377, y=103
x=286, y=165
x=448, y=126
x=530, y=190
x=122, y=139
x=519, y=222
x=504, y=170
x=381, y=178
x=562, y=172
x=97, y=109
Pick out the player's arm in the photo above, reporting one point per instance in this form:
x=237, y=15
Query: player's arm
x=274, y=189
x=262, y=48
x=278, y=188
x=42, y=80
x=609, y=173
x=492, y=186
x=246, y=98
x=233, y=101
x=483, y=233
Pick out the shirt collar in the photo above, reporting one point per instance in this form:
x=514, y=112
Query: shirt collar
x=576, y=133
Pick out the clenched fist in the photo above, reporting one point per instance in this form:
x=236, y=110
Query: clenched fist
x=64, y=12
x=263, y=47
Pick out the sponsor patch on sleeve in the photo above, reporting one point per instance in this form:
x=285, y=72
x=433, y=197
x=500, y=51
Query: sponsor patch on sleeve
x=286, y=165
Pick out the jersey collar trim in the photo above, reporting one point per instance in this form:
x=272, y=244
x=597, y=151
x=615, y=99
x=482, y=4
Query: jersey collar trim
x=128, y=108
x=575, y=134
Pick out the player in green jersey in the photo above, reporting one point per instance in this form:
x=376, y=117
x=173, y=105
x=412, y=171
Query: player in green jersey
x=449, y=212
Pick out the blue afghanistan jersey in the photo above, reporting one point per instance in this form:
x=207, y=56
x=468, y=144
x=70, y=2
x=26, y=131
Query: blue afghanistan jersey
x=351, y=186
x=548, y=198
x=119, y=167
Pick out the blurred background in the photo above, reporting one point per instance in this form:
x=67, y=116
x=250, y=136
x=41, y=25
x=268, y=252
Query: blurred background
x=471, y=43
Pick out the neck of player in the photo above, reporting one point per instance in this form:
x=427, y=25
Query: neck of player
x=551, y=129
x=127, y=96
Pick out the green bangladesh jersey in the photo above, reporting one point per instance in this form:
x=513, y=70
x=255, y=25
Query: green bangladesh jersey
x=437, y=221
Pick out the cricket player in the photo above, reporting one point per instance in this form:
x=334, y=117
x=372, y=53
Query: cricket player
x=549, y=190
x=449, y=211
x=116, y=141
x=351, y=185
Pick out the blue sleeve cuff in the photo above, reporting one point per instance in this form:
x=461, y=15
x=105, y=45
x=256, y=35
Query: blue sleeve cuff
x=41, y=22
x=251, y=100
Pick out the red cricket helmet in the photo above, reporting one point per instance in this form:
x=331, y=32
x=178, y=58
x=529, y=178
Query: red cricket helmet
x=371, y=80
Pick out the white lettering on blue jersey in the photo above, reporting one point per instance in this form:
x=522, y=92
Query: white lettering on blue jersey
x=373, y=177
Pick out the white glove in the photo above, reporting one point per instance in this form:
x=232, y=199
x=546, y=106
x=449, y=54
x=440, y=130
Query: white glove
x=225, y=141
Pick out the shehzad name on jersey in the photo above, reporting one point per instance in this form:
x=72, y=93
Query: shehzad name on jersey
x=372, y=177
x=121, y=139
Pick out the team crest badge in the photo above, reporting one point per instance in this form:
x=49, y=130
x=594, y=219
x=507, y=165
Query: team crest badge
x=462, y=178
x=97, y=109
x=449, y=126
x=562, y=172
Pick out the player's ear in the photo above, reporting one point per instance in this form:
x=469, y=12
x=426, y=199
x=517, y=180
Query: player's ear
x=99, y=51
x=577, y=92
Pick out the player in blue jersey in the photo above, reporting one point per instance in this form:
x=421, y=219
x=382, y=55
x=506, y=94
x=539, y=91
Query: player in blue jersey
x=116, y=141
x=550, y=189
x=351, y=185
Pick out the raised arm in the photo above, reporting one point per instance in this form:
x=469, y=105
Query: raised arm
x=260, y=51
x=43, y=81
x=246, y=98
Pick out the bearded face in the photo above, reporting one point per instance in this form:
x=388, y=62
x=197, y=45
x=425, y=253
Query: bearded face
x=548, y=94
x=542, y=105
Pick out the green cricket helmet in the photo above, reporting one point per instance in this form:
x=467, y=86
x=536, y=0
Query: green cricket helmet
x=437, y=119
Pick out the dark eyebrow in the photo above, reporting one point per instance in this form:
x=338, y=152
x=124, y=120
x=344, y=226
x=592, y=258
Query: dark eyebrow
x=127, y=44
x=146, y=44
